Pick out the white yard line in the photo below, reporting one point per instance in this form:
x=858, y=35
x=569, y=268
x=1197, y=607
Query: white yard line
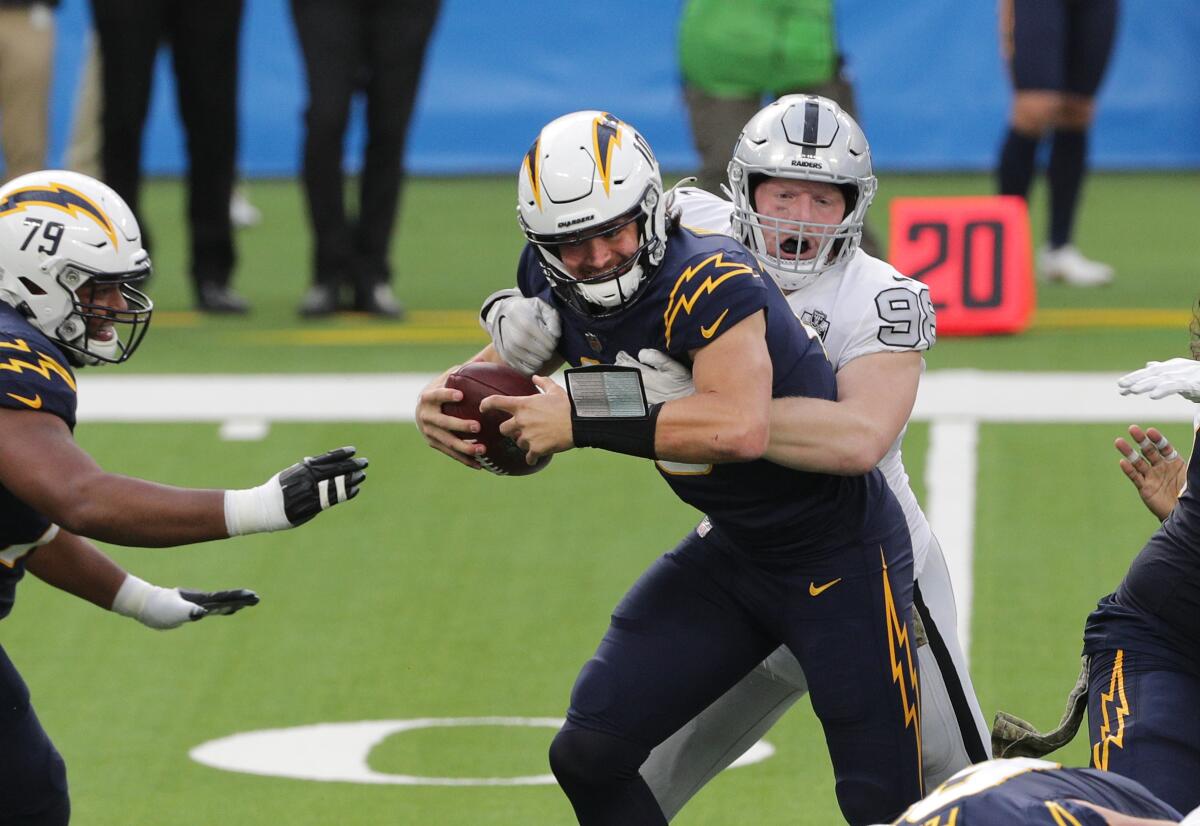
x=954, y=401
x=950, y=507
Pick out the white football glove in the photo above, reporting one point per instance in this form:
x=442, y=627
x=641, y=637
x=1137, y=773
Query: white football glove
x=296, y=494
x=525, y=331
x=1162, y=378
x=163, y=608
x=663, y=377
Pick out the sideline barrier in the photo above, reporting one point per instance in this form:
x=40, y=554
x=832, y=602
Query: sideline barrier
x=974, y=253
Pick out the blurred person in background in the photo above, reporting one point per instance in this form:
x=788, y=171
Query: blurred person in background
x=26, y=55
x=733, y=56
x=203, y=38
x=1057, y=51
x=376, y=47
x=83, y=151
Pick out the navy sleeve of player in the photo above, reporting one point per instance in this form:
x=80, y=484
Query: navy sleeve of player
x=711, y=294
x=34, y=376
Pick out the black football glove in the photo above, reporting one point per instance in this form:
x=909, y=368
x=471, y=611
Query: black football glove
x=219, y=602
x=320, y=482
x=296, y=494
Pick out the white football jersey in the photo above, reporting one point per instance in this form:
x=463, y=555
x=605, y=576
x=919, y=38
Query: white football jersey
x=860, y=307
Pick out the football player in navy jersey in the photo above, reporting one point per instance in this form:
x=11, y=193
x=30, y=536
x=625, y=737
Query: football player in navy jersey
x=1027, y=792
x=1141, y=676
x=1143, y=640
x=70, y=259
x=801, y=180
x=819, y=563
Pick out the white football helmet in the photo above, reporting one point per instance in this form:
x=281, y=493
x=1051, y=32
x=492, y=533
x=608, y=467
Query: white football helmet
x=807, y=138
x=588, y=174
x=60, y=231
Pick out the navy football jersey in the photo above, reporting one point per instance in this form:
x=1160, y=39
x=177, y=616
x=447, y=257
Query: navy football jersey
x=1156, y=608
x=1030, y=792
x=705, y=285
x=34, y=375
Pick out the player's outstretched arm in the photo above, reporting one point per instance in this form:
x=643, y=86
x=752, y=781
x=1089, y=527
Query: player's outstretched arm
x=41, y=464
x=1156, y=469
x=848, y=437
x=72, y=564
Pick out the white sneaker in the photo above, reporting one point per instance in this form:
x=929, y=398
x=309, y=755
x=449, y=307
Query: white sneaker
x=1067, y=264
x=242, y=213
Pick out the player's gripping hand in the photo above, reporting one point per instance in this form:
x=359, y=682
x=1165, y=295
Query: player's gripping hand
x=524, y=331
x=296, y=494
x=663, y=377
x=164, y=608
x=1162, y=378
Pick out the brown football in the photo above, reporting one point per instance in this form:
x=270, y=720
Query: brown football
x=477, y=381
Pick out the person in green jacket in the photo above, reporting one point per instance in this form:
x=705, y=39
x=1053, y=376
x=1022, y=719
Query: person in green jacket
x=733, y=55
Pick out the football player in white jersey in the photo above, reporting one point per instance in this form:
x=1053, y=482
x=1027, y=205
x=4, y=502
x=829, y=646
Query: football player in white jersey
x=801, y=181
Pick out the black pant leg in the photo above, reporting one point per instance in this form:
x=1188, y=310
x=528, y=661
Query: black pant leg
x=330, y=34
x=129, y=33
x=33, y=777
x=204, y=47
x=397, y=35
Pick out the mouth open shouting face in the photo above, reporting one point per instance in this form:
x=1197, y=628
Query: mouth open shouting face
x=797, y=216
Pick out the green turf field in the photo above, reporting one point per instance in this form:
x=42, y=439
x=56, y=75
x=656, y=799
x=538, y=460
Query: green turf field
x=442, y=593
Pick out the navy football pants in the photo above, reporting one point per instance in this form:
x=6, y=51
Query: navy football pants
x=1144, y=724
x=33, y=778
x=700, y=618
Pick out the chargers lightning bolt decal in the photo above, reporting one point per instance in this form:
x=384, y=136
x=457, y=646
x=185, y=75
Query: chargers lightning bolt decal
x=606, y=133
x=904, y=671
x=530, y=167
x=63, y=198
x=716, y=271
x=1119, y=710
x=44, y=367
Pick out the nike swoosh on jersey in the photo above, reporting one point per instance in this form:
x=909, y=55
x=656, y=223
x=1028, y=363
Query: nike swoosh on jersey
x=816, y=591
x=35, y=402
x=709, y=332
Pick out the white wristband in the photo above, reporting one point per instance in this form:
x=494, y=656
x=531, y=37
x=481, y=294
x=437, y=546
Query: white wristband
x=256, y=510
x=152, y=606
x=132, y=596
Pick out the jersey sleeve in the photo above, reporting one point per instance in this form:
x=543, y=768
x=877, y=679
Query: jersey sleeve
x=711, y=294
x=701, y=210
x=896, y=317
x=33, y=379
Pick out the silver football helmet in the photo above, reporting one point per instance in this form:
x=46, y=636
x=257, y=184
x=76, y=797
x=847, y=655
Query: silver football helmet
x=807, y=138
x=62, y=235
x=589, y=174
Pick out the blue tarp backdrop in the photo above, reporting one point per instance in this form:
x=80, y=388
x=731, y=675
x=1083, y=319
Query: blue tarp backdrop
x=931, y=84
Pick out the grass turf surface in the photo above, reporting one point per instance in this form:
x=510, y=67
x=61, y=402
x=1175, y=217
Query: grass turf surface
x=445, y=593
